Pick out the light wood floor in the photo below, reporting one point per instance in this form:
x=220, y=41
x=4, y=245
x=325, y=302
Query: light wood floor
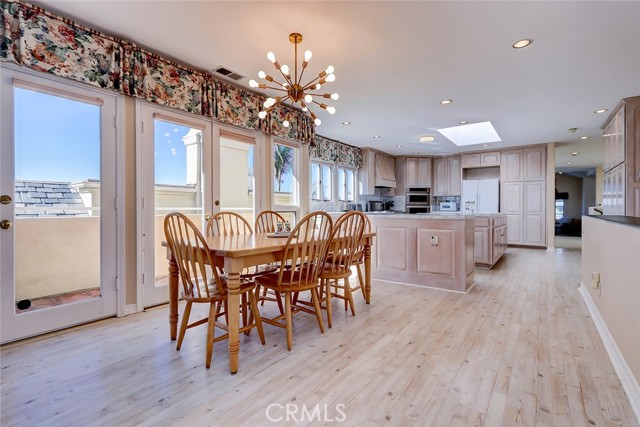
x=518, y=349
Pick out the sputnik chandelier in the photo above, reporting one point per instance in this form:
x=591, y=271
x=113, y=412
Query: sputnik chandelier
x=295, y=91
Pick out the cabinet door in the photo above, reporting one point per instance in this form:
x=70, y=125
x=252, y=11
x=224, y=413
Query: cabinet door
x=481, y=245
x=511, y=203
x=366, y=175
x=490, y=158
x=511, y=167
x=471, y=160
x=535, y=164
x=424, y=172
x=534, y=214
x=455, y=176
x=411, y=172
x=440, y=177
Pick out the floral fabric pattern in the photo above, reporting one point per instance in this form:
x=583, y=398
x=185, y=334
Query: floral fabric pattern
x=42, y=41
x=333, y=151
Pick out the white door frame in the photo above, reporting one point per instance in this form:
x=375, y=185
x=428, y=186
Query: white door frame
x=30, y=323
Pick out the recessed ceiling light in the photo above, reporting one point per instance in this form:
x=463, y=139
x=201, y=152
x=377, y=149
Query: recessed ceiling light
x=346, y=123
x=601, y=110
x=485, y=145
x=446, y=101
x=464, y=122
x=569, y=163
x=573, y=130
x=427, y=138
x=476, y=133
x=399, y=146
x=416, y=153
x=575, y=153
x=584, y=137
x=522, y=43
x=560, y=173
x=376, y=136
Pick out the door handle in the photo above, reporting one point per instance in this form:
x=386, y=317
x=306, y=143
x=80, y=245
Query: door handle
x=5, y=200
x=5, y=224
x=217, y=203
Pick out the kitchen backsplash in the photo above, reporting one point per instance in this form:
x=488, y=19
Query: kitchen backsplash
x=436, y=200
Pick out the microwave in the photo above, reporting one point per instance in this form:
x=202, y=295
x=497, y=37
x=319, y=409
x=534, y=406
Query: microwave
x=448, y=206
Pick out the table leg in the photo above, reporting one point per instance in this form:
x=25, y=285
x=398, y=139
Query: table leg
x=233, y=307
x=367, y=272
x=173, y=298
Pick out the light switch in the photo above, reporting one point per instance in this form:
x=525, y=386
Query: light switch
x=434, y=240
x=595, y=281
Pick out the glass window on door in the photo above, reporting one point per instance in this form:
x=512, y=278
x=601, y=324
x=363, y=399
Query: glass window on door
x=285, y=188
x=237, y=177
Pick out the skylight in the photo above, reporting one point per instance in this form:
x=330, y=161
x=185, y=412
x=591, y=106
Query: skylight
x=475, y=133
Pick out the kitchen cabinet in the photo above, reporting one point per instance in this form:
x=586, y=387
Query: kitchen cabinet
x=524, y=164
x=447, y=176
x=621, y=159
x=378, y=169
x=480, y=160
x=490, y=239
x=524, y=204
x=417, y=172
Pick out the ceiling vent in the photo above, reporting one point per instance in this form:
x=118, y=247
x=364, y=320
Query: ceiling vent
x=223, y=71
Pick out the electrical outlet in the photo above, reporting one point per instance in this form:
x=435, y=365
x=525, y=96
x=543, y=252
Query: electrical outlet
x=434, y=240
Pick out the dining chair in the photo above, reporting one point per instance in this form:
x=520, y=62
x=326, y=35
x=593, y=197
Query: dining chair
x=226, y=223
x=303, y=260
x=266, y=221
x=344, y=244
x=358, y=260
x=202, y=283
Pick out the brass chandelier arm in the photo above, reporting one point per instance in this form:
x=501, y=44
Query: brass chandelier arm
x=280, y=101
x=273, y=87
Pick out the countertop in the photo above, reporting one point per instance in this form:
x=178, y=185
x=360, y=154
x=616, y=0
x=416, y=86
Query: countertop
x=620, y=219
x=433, y=215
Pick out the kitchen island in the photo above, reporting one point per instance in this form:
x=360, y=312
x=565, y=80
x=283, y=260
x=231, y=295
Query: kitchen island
x=431, y=250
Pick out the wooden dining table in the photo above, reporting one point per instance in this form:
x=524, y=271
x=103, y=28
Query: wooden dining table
x=233, y=254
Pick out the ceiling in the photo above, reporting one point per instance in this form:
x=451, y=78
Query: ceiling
x=395, y=61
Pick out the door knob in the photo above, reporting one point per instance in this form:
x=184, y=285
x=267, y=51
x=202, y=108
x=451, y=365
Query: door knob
x=5, y=200
x=217, y=203
x=207, y=217
x=5, y=224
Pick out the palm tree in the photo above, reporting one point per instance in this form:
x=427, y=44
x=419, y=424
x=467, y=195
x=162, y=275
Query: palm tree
x=282, y=161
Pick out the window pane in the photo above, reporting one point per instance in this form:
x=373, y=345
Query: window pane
x=341, y=185
x=236, y=178
x=351, y=184
x=284, y=175
x=315, y=181
x=326, y=183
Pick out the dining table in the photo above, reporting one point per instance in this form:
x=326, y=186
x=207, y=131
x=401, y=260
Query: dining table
x=233, y=254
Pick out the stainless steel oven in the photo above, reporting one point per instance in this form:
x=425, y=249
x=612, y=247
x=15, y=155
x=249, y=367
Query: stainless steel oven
x=418, y=199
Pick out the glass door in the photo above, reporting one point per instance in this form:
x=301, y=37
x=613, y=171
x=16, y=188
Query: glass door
x=176, y=153
x=58, y=219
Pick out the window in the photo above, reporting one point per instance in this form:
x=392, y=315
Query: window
x=321, y=181
x=285, y=188
x=559, y=209
x=346, y=185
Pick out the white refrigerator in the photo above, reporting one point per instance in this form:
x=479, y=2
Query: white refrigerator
x=480, y=195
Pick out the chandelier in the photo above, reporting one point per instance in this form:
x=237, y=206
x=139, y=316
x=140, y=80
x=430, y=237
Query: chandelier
x=293, y=89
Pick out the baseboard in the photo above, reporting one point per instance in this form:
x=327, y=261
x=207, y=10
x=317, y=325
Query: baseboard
x=130, y=309
x=629, y=382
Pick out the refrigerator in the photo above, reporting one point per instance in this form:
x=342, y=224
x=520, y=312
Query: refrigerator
x=480, y=196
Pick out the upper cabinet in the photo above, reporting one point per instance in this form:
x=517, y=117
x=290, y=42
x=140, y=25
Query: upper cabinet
x=481, y=160
x=613, y=141
x=385, y=171
x=378, y=170
x=447, y=176
x=417, y=172
x=366, y=180
x=524, y=164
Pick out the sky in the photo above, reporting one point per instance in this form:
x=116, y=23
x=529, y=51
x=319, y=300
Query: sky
x=63, y=142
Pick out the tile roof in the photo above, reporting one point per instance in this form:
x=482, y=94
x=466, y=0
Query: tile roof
x=50, y=198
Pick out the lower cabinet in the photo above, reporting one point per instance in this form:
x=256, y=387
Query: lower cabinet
x=490, y=240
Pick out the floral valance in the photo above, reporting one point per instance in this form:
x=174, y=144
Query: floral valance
x=331, y=150
x=40, y=40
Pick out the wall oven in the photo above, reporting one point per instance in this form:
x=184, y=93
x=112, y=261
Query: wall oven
x=418, y=199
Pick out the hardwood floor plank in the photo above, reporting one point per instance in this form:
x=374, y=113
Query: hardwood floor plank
x=519, y=349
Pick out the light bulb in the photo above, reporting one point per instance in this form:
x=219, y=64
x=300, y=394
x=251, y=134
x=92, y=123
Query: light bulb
x=271, y=57
x=331, y=77
x=329, y=69
x=285, y=69
x=318, y=86
x=317, y=122
x=271, y=101
x=262, y=114
x=305, y=109
x=285, y=123
x=335, y=96
x=266, y=104
x=308, y=99
x=331, y=110
x=307, y=55
x=253, y=83
x=262, y=74
x=285, y=85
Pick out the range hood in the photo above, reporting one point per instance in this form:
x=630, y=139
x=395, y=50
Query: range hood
x=385, y=172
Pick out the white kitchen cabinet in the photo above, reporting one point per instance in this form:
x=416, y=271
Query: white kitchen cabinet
x=480, y=160
x=511, y=168
x=447, y=176
x=417, y=172
x=366, y=174
x=535, y=233
x=490, y=234
x=524, y=164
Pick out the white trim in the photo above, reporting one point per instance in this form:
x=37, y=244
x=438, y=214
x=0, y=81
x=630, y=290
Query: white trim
x=139, y=196
x=121, y=187
x=423, y=287
x=131, y=309
x=629, y=382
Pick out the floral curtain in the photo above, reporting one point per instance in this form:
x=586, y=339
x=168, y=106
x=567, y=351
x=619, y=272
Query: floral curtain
x=37, y=39
x=335, y=151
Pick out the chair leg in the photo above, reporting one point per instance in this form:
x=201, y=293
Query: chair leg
x=347, y=294
x=258, y=320
x=288, y=320
x=361, y=281
x=183, y=325
x=327, y=286
x=344, y=294
x=211, y=325
x=316, y=305
x=278, y=298
x=243, y=302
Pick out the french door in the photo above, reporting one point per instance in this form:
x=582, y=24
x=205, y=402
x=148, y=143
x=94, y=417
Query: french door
x=176, y=155
x=58, y=223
